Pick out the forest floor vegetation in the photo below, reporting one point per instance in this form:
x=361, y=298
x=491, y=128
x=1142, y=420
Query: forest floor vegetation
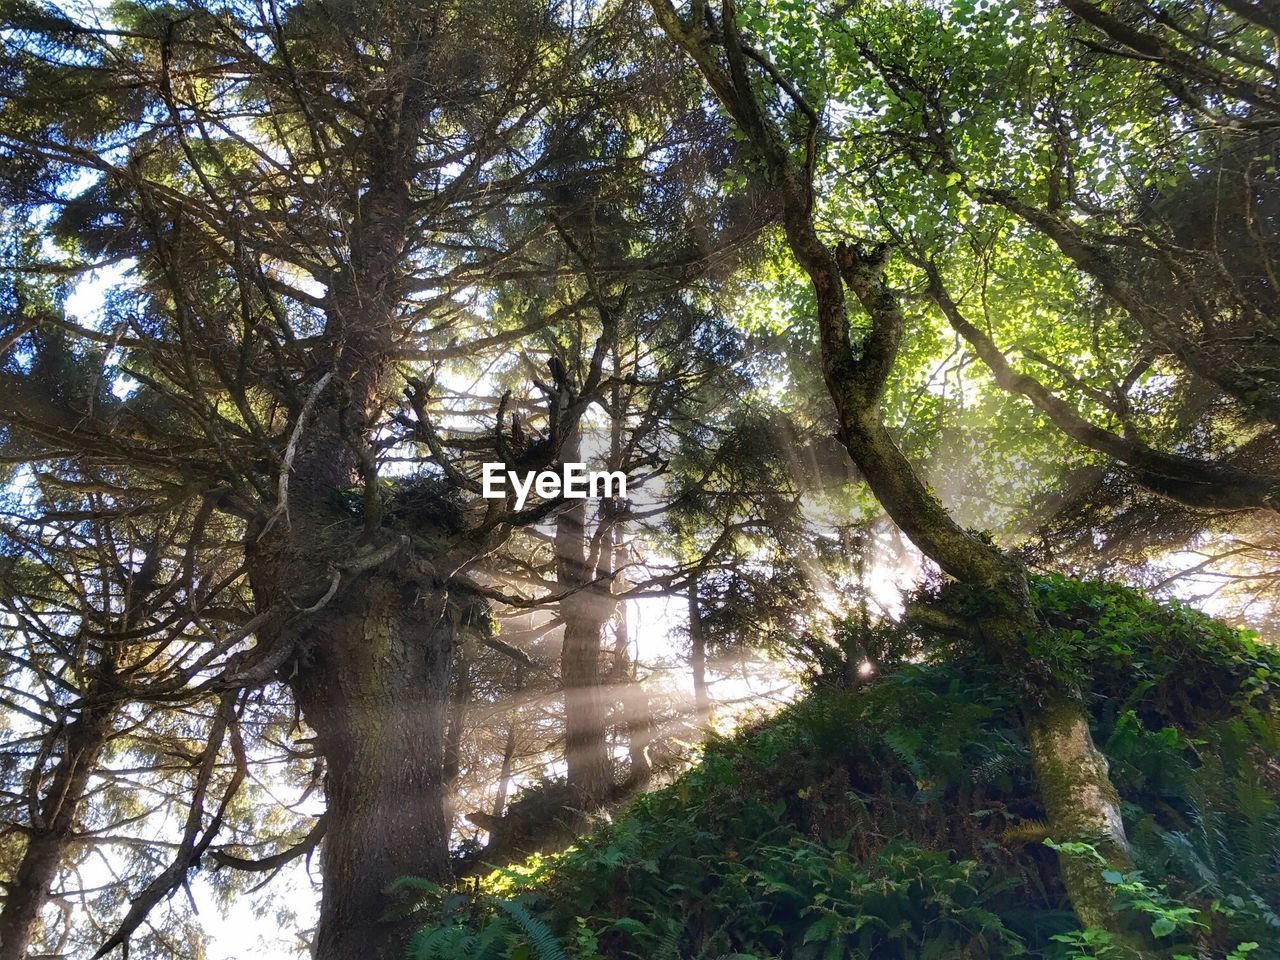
x=899, y=818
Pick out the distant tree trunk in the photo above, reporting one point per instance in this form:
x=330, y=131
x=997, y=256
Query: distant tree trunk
x=54, y=830
x=698, y=654
x=459, y=701
x=585, y=709
x=373, y=684
x=636, y=719
x=508, y=749
x=585, y=609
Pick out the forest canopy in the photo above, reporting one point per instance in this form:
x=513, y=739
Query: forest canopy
x=934, y=346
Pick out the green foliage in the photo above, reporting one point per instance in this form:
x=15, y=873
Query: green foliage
x=900, y=819
x=509, y=929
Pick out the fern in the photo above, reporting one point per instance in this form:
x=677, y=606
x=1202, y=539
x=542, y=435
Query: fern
x=668, y=946
x=538, y=934
x=442, y=943
x=906, y=746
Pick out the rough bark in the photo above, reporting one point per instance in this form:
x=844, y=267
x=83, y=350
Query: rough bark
x=370, y=663
x=586, y=715
x=373, y=684
x=54, y=831
x=1080, y=802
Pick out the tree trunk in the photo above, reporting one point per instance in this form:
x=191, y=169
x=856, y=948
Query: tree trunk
x=373, y=684
x=504, y=774
x=459, y=703
x=585, y=609
x=637, y=721
x=698, y=655
x=639, y=726
x=49, y=838
x=1080, y=802
x=585, y=711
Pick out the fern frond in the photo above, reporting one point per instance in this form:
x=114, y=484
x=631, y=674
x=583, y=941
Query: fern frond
x=539, y=935
x=1024, y=832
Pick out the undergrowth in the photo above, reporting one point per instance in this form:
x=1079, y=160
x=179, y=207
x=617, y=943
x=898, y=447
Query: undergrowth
x=899, y=819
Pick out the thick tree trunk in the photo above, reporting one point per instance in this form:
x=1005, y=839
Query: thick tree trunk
x=1080, y=802
x=49, y=838
x=585, y=710
x=373, y=684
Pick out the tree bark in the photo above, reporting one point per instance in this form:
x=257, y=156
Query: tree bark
x=637, y=721
x=586, y=750
x=1081, y=803
x=49, y=838
x=373, y=684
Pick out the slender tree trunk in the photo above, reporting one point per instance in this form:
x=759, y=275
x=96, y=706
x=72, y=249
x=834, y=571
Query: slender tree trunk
x=373, y=684
x=639, y=726
x=459, y=701
x=636, y=718
x=698, y=654
x=508, y=750
x=1079, y=799
x=54, y=831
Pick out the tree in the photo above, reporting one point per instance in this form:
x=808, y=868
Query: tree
x=288, y=271
x=1080, y=801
